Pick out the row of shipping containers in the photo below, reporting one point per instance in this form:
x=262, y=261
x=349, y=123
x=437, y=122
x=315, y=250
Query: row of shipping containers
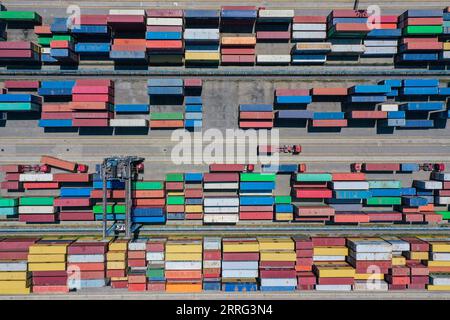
x=230, y=36
x=227, y=194
x=196, y=264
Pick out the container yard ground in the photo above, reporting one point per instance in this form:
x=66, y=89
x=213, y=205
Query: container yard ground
x=118, y=294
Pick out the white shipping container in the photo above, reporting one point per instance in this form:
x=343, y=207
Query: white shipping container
x=128, y=123
x=375, y=285
x=13, y=266
x=221, y=186
x=128, y=12
x=37, y=209
x=164, y=21
x=212, y=264
x=333, y=287
x=183, y=265
x=345, y=48
x=228, y=202
x=440, y=256
x=350, y=185
x=389, y=107
x=201, y=34
x=85, y=258
x=239, y=274
x=212, y=243
x=221, y=209
x=329, y=258
x=154, y=256
x=267, y=13
x=300, y=35
x=399, y=245
x=139, y=245
x=240, y=265
x=370, y=256
x=446, y=55
x=308, y=61
x=442, y=200
x=380, y=50
x=273, y=58
x=440, y=279
x=429, y=185
x=380, y=43
x=36, y=177
x=369, y=246
x=220, y=218
x=45, y=50
x=282, y=282
x=309, y=27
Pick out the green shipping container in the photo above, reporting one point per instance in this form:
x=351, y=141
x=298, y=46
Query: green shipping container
x=175, y=177
x=155, y=273
x=314, y=177
x=166, y=116
x=9, y=202
x=18, y=106
x=120, y=208
x=36, y=201
x=259, y=177
x=8, y=211
x=283, y=199
x=445, y=214
x=20, y=16
x=44, y=40
x=380, y=201
x=175, y=200
x=148, y=185
x=384, y=184
x=415, y=30
x=62, y=37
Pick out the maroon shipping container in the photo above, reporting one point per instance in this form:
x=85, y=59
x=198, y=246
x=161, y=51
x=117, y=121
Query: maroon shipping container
x=193, y=193
x=164, y=29
x=12, y=176
x=409, y=39
x=417, y=244
x=23, y=255
x=423, y=21
x=292, y=92
x=277, y=274
x=17, y=45
x=238, y=51
x=114, y=194
x=94, y=19
x=255, y=208
x=351, y=27
x=314, y=210
x=168, y=13
x=369, y=114
x=432, y=46
x=72, y=202
x=389, y=19
x=273, y=35
x=418, y=269
x=21, y=84
x=56, y=115
x=192, y=82
x=399, y=271
x=174, y=185
x=87, y=248
x=227, y=167
x=220, y=177
x=44, y=218
x=304, y=260
x=92, y=115
x=46, y=274
x=212, y=255
x=432, y=217
x=90, y=123
x=384, y=216
x=76, y=216
x=155, y=247
x=10, y=185
x=50, y=281
x=306, y=278
x=310, y=19
x=238, y=59
x=388, y=167
x=303, y=244
x=240, y=256
x=328, y=241
x=16, y=53
x=329, y=123
x=11, y=168
x=17, y=244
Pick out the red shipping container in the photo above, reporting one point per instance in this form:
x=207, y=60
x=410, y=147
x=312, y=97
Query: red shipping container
x=110, y=273
x=44, y=218
x=58, y=163
x=93, y=19
x=174, y=185
x=368, y=114
x=192, y=82
x=399, y=271
x=384, y=216
x=10, y=185
x=16, y=54
x=60, y=44
x=88, y=248
x=21, y=84
x=238, y=59
x=175, y=208
x=348, y=176
x=91, y=275
x=156, y=286
x=432, y=217
x=276, y=264
x=119, y=284
x=11, y=168
x=14, y=255
x=146, y=194
x=335, y=281
x=351, y=27
x=132, y=254
x=94, y=82
x=136, y=263
x=137, y=278
x=418, y=269
x=215, y=167
x=49, y=281
x=303, y=244
x=417, y=244
x=423, y=21
x=256, y=115
x=240, y=256
x=212, y=255
x=51, y=289
x=76, y=216
x=381, y=167
x=155, y=247
x=329, y=123
x=305, y=261
x=273, y=35
x=137, y=287
x=419, y=280
x=114, y=194
x=313, y=193
x=277, y=273
x=446, y=185
x=92, y=98
x=92, y=89
x=163, y=44
x=413, y=217
x=256, y=215
x=149, y=202
x=71, y=177
x=166, y=124
x=328, y=241
x=90, y=122
x=52, y=107
x=40, y=185
x=329, y=91
x=256, y=124
x=167, y=13
x=432, y=46
x=97, y=266
x=397, y=280
x=350, y=217
x=17, y=244
x=17, y=45
x=310, y=19
x=255, y=208
x=56, y=115
x=193, y=193
x=43, y=30
x=12, y=176
x=72, y=202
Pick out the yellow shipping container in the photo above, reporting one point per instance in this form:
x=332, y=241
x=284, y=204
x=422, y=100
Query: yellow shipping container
x=119, y=279
x=432, y=287
x=52, y=266
x=276, y=244
x=336, y=272
x=437, y=263
x=176, y=256
x=115, y=265
x=446, y=46
x=440, y=247
x=243, y=41
x=175, y=193
x=284, y=217
x=418, y=255
x=277, y=256
x=366, y=276
x=48, y=249
x=193, y=208
x=202, y=56
x=330, y=251
x=14, y=275
x=184, y=247
x=240, y=247
x=118, y=246
x=46, y=258
x=14, y=287
x=116, y=256
x=398, y=261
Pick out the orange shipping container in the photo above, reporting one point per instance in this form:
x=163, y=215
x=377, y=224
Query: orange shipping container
x=238, y=41
x=183, y=287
